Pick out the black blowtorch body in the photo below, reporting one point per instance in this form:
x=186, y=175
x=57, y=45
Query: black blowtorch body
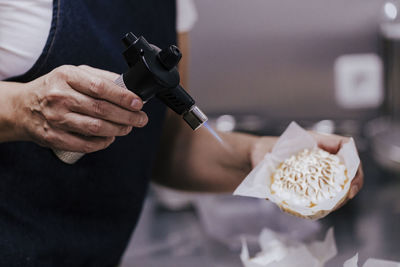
x=153, y=72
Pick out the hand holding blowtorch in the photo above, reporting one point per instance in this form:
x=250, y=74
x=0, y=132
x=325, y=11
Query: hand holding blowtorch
x=152, y=72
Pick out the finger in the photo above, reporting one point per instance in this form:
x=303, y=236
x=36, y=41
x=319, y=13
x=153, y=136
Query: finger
x=262, y=147
x=66, y=141
x=330, y=142
x=101, y=88
x=357, y=183
x=88, y=126
x=99, y=72
x=107, y=111
x=332, y=146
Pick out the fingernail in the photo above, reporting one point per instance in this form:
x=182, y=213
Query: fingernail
x=353, y=191
x=128, y=129
x=136, y=103
x=141, y=121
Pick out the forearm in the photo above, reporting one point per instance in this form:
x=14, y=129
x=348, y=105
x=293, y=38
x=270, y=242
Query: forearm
x=196, y=161
x=9, y=128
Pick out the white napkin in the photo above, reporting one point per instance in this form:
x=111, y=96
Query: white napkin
x=279, y=251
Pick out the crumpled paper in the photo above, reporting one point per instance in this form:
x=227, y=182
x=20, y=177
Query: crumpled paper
x=353, y=262
x=293, y=140
x=279, y=251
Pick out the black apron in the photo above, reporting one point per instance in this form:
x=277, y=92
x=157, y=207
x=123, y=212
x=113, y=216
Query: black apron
x=54, y=214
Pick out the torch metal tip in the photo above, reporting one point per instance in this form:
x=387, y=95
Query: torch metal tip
x=195, y=117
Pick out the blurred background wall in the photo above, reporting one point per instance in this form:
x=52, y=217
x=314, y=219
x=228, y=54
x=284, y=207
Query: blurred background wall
x=275, y=58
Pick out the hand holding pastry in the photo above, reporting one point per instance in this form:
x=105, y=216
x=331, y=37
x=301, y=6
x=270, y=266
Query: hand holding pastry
x=305, y=173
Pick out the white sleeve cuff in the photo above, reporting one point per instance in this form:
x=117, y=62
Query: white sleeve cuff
x=186, y=15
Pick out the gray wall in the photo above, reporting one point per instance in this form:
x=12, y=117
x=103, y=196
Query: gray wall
x=276, y=56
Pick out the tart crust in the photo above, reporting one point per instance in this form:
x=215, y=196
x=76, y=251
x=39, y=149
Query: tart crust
x=318, y=215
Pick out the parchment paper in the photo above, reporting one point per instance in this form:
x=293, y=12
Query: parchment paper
x=293, y=140
x=279, y=251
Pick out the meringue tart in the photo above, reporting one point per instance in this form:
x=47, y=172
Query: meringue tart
x=308, y=181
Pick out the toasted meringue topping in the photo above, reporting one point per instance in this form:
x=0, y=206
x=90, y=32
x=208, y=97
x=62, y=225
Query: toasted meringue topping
x=309, y=178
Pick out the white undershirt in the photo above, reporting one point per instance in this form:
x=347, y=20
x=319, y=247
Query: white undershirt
x=25, y=26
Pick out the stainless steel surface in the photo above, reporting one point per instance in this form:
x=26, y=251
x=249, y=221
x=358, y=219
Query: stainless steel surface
x=369, y=225
x=195, y=117
x=276, y=57
x=384, y=134
x=387, y=148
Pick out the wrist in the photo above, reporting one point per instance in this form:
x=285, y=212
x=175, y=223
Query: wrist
x=11, y=112
x=240, y=150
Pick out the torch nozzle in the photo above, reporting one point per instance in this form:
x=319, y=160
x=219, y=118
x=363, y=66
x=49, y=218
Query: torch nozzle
x=194, y=117
x=129, y=39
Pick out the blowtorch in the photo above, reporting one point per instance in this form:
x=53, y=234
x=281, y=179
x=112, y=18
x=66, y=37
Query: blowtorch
x=152, y=72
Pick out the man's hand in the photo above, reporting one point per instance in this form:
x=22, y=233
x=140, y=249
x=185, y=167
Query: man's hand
x=330, y=143
x=77, y=109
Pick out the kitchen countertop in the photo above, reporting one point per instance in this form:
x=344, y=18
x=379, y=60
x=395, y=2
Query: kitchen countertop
x=369, y=225
x=207, y=232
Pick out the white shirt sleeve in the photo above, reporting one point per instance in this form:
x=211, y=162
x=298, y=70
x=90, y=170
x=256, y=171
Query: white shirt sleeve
x=24, y=28
x=186, y=15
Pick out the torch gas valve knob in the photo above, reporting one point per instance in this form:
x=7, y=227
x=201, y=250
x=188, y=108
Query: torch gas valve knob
x=170, y=57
